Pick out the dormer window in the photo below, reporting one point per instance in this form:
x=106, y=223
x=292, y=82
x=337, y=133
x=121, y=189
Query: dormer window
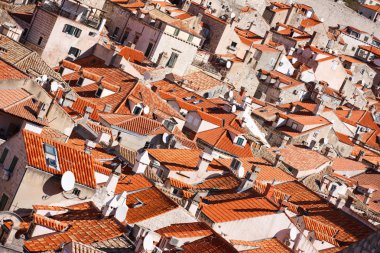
x=240, y=141
x=51, y=156
x=98, y=93
x=137, y=110
x=235, y=164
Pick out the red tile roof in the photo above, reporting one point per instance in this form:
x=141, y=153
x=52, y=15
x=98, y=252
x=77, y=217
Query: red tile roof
x=186, y=230
x=8, y=72
x=301, y=159
x=199, y=80
x=49, y=223
x=69, y=159
x=210, y=244
x=181, y=159
x=330, y=224
x=345, y=164
x=220, y=138
x=86, y=226
x=154, y=203
x=264, y=246
x=239, y=209
x=132, y=55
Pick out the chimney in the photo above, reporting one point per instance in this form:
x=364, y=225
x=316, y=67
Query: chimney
x=324, y=184
x=357, y=138
x=204, y=160
x=284, y=142
x=249, y=180
x=267, y=38
x=278, y=159
x=292, y=107
x=116, y=207
x=360, y=156
x=112, y=181
x=90, y=145
x=68, y=100
x=142, y=162
x=87, y=112
x=42, y=111
x=319, y=107
x=368, y=196
x=242, y=91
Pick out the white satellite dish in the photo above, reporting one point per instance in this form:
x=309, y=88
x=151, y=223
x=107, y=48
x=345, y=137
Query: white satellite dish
x=147, y=76
x=228, y=64
x=44, y=78
x=230, y=94
x=165, y=137
x=241, y=172
x=233, y=108
x=68, y=181
x=54, y=86
x=233, y=15
x=293, y=234
x=148, y=242
x=146, y=110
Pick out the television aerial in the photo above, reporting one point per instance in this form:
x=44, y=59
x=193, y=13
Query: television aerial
x=68, y=181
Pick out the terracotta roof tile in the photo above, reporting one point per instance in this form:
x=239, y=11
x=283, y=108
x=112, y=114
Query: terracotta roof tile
x=8, y=72
x=49, y=223
x=239, y=209
x=86, y=226
x=154, y=203
x=210, y=244
x=345, y=164
x=201, y=81
x=186, y=230
x=301, y=158
x=264, y=246
x=69, y=159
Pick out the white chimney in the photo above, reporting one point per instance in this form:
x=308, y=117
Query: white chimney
x=142, y=162
x=112, y=181
x=249, y=179
x=117, y=207
x=204, y=160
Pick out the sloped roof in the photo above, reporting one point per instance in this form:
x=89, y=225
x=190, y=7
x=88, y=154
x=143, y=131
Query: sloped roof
x=86, y=226
x=264, y=246
x=8, y=72
x=69, y=159
x=186, y=230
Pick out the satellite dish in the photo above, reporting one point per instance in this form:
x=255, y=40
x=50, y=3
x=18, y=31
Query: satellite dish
x=241, y=172
x=44, y=78
x=230, y=94
x=228, y=64
x=68, y=181
x=146, y=110
x=165, y=137
x=233, y=108
x=233, y=15
x=148, y=242
x=147, y=76
x=293, y=234
x=54, y=86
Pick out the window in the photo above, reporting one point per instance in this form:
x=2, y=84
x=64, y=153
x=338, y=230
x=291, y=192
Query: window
x=137, y=110
x=40, y=40
x=190, y=39
x=80, y=81
x=74, y=51
x=233, y=45
x=116, y=31
x=172, y=60
x=175, y=191
x=176, y=32
x=294, y=126
x=353, y=48
x=4, y=155
x=148, y=50
x=235, y=164
x=24, y=33
x=72, y=30
x=98, y=93
x=3, y=202
x=136, y=39
x=366, y=38
x=51, y=150
x=240, y=141
x=13, y=164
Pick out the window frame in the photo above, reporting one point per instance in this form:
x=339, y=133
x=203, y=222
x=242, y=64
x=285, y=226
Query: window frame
x=13, y=165
x=2, y=204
